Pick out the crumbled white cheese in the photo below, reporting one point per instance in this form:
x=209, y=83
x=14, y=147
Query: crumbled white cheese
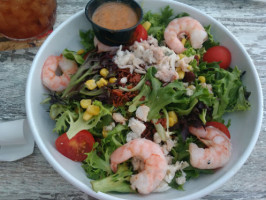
x=136, y=126
x=110, y=127
x=167, y=147
x=185, y=84
x=170, y=144
x=123, y=80
x=131, y=136
x=190, y=90
x=170, y=174
x=142, y=112
x=208, y=86
x=157, y=138
x=169, y=159
x=118, y=117
x=182, y=179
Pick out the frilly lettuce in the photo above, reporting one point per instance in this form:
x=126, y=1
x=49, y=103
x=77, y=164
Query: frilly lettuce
x=98, y=168
x=228, y=89
x=77, y=125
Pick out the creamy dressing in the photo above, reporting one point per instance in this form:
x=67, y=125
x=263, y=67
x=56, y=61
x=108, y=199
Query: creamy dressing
x=115, y=16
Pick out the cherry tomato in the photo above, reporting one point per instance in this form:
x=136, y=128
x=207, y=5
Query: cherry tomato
x=140, y=33
x=75, y=148
x=220, y=126
x=218, y=54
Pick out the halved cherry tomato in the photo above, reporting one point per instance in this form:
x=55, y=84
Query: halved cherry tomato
x=139, y=34
x=218, y=54
x=76, y=147
x=220, y=126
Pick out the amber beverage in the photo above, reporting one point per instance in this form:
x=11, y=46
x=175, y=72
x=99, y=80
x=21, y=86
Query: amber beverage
x=26, y=19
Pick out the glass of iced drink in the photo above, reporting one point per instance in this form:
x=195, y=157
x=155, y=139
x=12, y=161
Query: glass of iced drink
x=26, y=19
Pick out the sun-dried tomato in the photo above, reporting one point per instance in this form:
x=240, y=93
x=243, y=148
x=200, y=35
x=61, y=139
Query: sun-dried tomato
x=119, y=97
x=117, y=92
x=122, y=73
x=149, y=131
x=142, y=98
x=162, y=121
x=134, y=78
x=148, y=83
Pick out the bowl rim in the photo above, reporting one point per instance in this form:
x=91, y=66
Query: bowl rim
x=78, y=184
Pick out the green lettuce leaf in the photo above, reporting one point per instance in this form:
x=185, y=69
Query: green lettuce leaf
x=72, y=55
x=87, y=38
x=210, y=42
x=160, y=96
x=118, y=182
x=97, y=163
x=79, y=124
x=227, y=88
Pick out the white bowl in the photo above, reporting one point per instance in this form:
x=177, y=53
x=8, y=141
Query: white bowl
x=245, y=125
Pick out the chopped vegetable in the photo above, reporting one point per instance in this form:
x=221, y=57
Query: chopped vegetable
x=77, y=125
x=146, y=25
x=76, y=147
x=218, y=54
x=118, y=182
x=139, y=34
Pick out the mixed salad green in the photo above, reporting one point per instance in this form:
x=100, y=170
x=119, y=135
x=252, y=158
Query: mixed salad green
x=201, y=106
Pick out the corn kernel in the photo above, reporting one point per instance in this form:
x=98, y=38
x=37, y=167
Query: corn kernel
x=183, y=41
x=105, y=133
x=202, y=79
x=171, y=122
x=112, y=80
x=178, y=69
x=87, y=116
x=146, y=25
x=102, y=82
x=173, y=116
x=198, y=56
x=192, y=87
x=181, y=74
x=93, y=110
x=181, y=56
x=84, y=103
x=90, y=84
x=189, y=68
x=81, y=51
x=104, y=72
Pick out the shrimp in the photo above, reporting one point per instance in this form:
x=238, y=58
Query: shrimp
x=155, y=164
x=50, y=79
x=102, y=47
x=191, y=27
x=218, y=152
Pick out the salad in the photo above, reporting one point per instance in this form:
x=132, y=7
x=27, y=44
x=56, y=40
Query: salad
x=146, y=117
